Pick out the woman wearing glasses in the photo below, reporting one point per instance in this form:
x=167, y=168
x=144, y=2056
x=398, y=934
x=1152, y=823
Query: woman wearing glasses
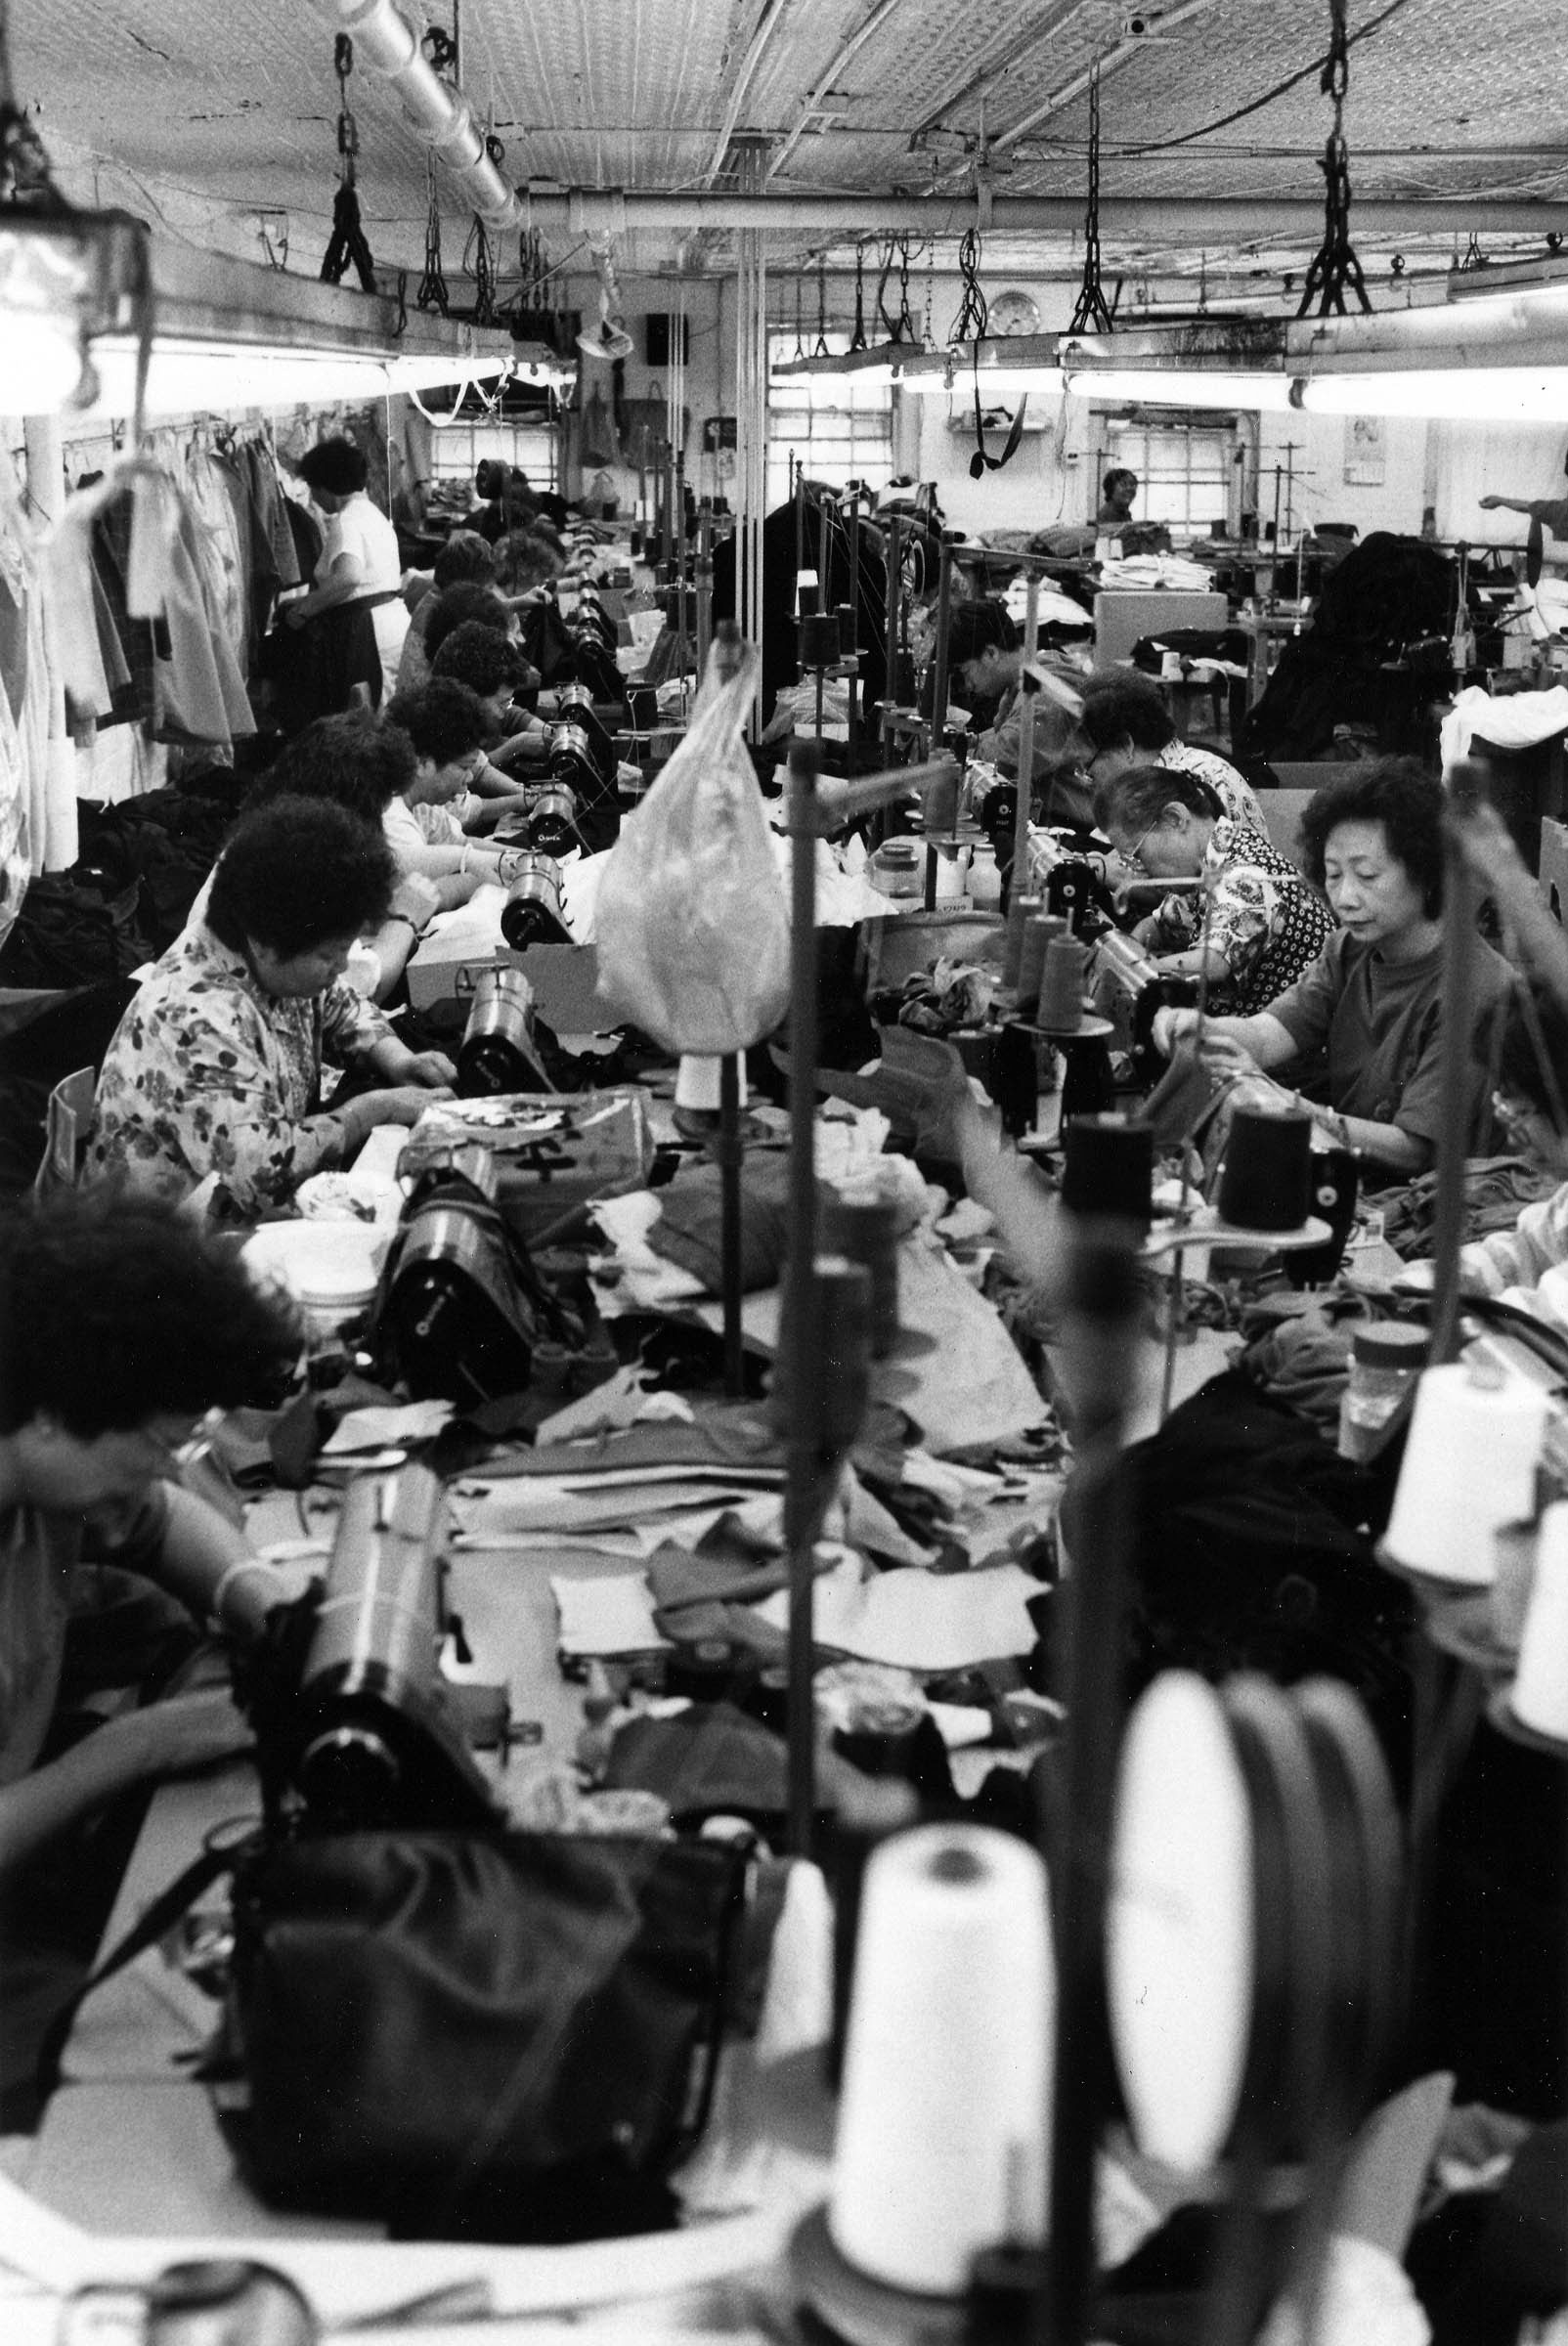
x=1372, y=1000
x=1255, y=925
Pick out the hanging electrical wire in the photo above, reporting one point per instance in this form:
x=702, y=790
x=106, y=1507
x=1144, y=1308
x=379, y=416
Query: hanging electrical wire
x=1335, y=266
x=1091, y=316
x=348, y=239
x=432, y=289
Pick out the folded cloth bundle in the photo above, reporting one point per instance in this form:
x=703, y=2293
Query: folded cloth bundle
x=688, y=1232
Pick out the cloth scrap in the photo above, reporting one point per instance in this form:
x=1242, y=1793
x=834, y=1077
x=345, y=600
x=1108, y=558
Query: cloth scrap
x=374, y=1429
x=920, y=1620
x=603, y=1617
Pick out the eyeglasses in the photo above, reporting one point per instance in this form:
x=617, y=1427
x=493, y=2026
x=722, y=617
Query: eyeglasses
x=1133, y=856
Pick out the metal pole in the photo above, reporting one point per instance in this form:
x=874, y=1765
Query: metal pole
x=1455, y=1078
x=895, y=558
x=849, y=651
x=730, y=1152
x=1101, y=1323
x=944, y=615
x=801, y=1349
x=1018, y=888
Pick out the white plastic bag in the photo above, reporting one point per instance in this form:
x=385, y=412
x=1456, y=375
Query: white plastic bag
x=692, y=924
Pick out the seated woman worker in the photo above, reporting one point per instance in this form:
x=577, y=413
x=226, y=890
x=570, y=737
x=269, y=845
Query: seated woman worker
x=122, y=1327
x=1373, y=999
x=216, y=1066
x=1260, y=925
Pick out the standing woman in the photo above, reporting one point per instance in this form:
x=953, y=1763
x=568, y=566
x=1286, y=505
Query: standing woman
x=1259, y=924
x=360, y=573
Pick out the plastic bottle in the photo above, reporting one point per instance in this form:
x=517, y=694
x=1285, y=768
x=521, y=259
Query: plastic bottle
x=984, y=879
x=1385, y=1360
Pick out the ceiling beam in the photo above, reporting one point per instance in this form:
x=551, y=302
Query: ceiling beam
x=1112, y=62
x=847, y=52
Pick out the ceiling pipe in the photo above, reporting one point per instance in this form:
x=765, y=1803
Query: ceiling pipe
x=1220, y=220
x=438, y=110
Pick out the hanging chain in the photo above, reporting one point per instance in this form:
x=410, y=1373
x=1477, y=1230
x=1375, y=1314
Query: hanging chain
x=483, y=271
x=433, y=293
x=348, y=240
x=1091, y=317
x=903, y=326
x=348, y=130
x=928, y=338
x=821, y=351
x=1474, y=257
x=1335, y=266
x=800, y=320
x=857, y=340
x=973, y=311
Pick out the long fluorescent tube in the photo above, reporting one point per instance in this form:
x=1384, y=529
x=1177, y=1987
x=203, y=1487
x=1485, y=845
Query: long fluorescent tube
x=1486, y=394
x=188, y=379
x=1181, y=387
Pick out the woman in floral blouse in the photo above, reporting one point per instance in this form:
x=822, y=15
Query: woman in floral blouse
x=1265, y=924
x=216, y=1066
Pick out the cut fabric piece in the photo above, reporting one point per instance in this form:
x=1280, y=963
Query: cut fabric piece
x=920, y=1620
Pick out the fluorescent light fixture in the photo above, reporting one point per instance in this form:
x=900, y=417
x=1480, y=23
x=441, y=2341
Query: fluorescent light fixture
x=199, y=377
x=61, y=281
x=1485, y=394
x=1181, y=387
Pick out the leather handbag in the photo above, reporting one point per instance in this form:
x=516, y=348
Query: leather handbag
x=508, y=2035
x=466, y=2034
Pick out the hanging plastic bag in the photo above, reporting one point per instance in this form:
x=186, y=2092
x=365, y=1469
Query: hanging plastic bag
x=692, y=925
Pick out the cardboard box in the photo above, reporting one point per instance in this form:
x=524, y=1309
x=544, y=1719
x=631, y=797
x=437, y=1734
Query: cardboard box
x=442, y=978
x=552, y=1151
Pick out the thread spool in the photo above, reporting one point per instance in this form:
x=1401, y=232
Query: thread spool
x=1061, y=985
x=1109, y=1170
x=1266, y=1183
x=939, y=804
x=844, y=1291
x=1019, y=910
x=1540, y=1697
x=941, y=2138
x=698, y=1082
x=818, y=638
x=1040, y=930
x=1469, y=1467
x=864, y=1227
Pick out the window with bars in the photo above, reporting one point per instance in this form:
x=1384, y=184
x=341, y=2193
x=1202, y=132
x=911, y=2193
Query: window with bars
x=839, y=430
x=458, y=452
x=1184, y=469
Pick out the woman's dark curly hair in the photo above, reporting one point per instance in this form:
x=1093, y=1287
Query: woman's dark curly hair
x=352, y=758
x=443, y=720
x=1404, y=798
x=465, y=560
x=297, y=872
x=480, y=658
x=336, y=465
x=1118, y=709
x=463, y=606
x=115, y=1310
x=1137, y=799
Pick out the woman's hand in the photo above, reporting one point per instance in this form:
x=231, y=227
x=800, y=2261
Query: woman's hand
x=1224, y=1058
x=187, y=1731
x=432, y=1070
x=398, y=1104
x=1169, y=1028
x=415, y=898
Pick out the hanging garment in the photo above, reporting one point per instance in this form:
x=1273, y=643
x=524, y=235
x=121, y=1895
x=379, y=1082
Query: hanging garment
x=16, y=861
x=221, y=557
x=201, y=694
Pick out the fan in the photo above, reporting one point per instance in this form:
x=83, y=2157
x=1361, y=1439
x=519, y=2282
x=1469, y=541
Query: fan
x=1015, y=313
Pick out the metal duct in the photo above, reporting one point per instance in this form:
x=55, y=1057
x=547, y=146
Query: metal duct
x=386, y=42
x=1166, y=219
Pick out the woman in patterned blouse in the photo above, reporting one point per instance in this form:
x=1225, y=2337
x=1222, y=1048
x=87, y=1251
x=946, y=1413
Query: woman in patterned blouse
x=1264, y=923
x=216, y=1066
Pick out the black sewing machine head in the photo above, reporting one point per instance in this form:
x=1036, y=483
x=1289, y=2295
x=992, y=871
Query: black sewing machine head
x=1130, y=986
x=375, y=1742
x=498, y=1052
